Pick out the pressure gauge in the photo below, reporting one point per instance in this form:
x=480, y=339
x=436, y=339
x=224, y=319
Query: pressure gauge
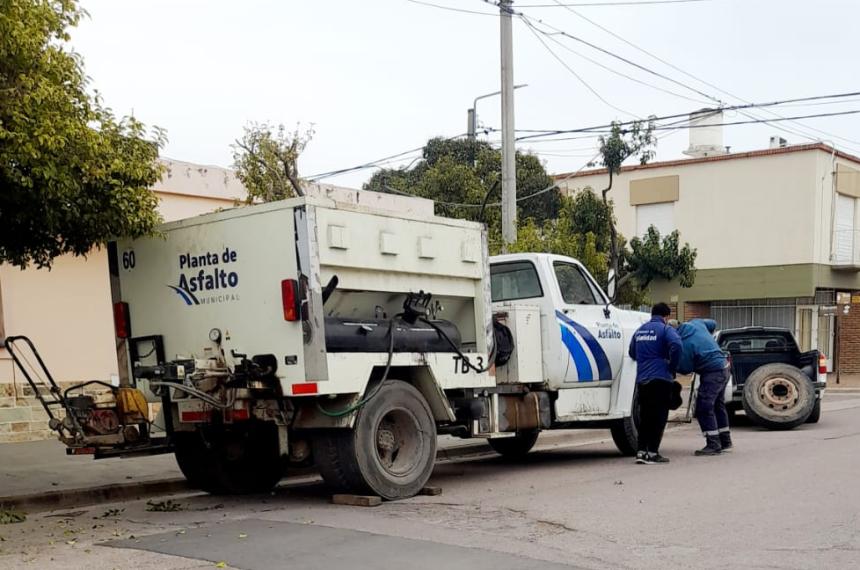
x=215, y=336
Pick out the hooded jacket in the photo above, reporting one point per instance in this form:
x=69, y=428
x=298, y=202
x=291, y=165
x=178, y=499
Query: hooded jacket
x=701, y=352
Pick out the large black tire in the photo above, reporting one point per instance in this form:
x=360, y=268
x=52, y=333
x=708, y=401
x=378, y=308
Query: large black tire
x=778, y=396
x=193, y=457
x=389, y=452
x=515, y=447
x=625, y=432
x=237, y=460
x=816, y=412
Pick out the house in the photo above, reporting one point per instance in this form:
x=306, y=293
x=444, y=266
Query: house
x=66, y=310
x=776, y=232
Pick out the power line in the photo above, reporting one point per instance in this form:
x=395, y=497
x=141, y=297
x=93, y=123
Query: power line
x=549, y=132
x=620, y=74
x=593, y=4
x=574, y=73
x=452, y=9
x=690, y=75
x=560, y=32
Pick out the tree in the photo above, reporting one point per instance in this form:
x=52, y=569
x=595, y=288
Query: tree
x=265, y=160
x=72, y=175
x=461, y=175
x=615, y=149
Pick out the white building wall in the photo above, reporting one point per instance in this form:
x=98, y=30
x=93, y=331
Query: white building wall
x=742, y=212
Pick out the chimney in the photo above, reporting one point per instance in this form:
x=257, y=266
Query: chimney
x=778, y=142
x=706, y=134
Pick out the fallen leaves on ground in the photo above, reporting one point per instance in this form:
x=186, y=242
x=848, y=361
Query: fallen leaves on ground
x=168, y=506
x=8, y=516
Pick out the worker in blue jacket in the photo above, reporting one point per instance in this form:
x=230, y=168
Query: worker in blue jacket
x=656, y=348
x=702, y=355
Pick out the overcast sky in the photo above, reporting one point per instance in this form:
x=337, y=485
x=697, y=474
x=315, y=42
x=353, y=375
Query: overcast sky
x=376, y=77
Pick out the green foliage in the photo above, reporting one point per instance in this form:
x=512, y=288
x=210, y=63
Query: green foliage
x=562, y=236
x=581, y=226
x=265, y=161
x=464, y=171
x=652, y=258
x=72, y=175
x=636, y=139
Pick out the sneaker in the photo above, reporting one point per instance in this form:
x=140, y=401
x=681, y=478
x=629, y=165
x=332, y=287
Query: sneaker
x=644, y=458
x=657, y=458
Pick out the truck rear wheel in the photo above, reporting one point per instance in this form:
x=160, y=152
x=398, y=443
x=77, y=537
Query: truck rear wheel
x=778, y=396
x=515, y=447
x=389, y=452
x=240, y=460
x=625, y=432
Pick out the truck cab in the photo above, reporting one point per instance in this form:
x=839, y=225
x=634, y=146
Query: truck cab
x=582, y=340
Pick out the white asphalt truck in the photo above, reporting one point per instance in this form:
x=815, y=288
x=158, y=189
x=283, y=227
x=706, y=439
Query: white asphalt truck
x=314, y=331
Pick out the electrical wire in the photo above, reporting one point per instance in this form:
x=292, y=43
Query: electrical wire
x=452, y=9
x=560, y=32
x=536, y=34
x=700, y=80
x=595, y=4
x=620, y=74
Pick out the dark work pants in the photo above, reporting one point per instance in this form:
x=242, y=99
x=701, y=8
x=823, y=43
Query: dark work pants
x=654, y=399
x=710, y=404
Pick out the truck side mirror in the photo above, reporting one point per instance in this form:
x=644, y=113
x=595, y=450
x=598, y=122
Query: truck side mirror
x=611, y=285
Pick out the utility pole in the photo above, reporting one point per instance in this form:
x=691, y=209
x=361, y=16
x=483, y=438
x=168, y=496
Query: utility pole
x=509, y=167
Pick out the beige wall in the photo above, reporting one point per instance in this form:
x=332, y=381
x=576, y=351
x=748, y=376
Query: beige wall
x=745, y=212
x=66, y=311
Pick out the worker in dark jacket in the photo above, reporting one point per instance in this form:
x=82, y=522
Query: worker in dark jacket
x=656, y=348
x=702, y=355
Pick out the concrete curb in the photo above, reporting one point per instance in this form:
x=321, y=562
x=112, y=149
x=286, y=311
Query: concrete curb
x=87, y=496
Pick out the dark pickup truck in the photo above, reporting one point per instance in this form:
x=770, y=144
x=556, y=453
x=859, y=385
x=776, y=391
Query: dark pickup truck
x=777, y=385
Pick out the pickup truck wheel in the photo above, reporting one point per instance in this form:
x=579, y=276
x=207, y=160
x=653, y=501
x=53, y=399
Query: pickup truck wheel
x=390, y=451
x=625, y=432
x=515, y=447
x=816, y=412
x=778, y=396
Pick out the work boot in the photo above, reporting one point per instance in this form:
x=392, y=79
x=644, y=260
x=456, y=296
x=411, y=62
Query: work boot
x=712, y=446
x=726, y=440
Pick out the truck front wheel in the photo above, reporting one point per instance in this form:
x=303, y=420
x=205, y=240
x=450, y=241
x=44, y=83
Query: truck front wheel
x=625, y=432
x=390, y=451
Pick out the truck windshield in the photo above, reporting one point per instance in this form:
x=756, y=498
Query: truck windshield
x=513, y=281
x=574, y=286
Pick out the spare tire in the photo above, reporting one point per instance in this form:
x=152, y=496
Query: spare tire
x=778, y=396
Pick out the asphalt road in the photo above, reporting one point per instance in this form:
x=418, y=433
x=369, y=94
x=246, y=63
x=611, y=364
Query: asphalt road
x=780, y=500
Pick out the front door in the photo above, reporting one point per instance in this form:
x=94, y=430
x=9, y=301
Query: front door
x=590, y=329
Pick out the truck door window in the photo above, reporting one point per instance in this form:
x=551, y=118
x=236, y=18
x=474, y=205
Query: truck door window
x=513, y=281
x=574, y=286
